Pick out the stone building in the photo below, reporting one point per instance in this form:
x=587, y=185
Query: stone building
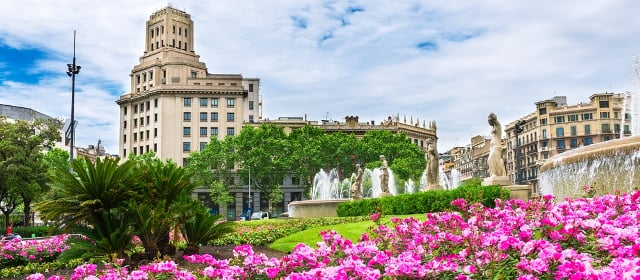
x=175, y=105
x=555, y=127
x=471, y=160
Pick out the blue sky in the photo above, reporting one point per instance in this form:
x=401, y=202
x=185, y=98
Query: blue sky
x=448, y=61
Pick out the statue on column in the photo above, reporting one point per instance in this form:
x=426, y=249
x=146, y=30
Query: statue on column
x=356, y=187
x=384, y=177
x=433, y=174
x=496, y=164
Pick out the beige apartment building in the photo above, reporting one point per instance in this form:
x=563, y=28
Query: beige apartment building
x=555, y=127
x=175, y=105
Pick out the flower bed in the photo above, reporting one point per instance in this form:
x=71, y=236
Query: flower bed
x=586, y=238
x=20, y=251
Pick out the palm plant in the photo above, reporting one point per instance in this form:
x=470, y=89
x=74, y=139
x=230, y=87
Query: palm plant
x=163, y=192
x=106, y=241
x=89, y=191
x=203, y=227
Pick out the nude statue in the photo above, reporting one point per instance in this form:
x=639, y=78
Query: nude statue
x=384, y=177
x=433, y=176
x=495, y=162
x=356, y=187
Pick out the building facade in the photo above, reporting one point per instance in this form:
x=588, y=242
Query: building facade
x=175, y=105
x=471, y=160
x=555, y=127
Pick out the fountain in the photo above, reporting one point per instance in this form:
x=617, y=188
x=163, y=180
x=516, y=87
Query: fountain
x=606, y=167
x=328, y=191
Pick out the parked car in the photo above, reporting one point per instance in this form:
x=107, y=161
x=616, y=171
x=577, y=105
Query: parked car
x=260, y=215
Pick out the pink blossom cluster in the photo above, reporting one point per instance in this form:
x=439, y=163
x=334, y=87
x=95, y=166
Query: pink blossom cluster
x=584, y=238
x=33, y=249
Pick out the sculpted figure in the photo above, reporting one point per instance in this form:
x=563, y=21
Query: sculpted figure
x=496, y=164
x=384, y=177
x=388, y=122
x=433, y=176
x=356, y=187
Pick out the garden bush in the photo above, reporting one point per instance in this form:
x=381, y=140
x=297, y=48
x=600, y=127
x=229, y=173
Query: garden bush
x=424, y=202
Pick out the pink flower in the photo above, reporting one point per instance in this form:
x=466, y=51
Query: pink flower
x=375, y=217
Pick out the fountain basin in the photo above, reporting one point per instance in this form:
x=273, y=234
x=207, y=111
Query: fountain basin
x=606, y=167
x=315, y=208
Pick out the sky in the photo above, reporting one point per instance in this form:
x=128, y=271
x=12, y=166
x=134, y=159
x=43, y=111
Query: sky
x=449, y=61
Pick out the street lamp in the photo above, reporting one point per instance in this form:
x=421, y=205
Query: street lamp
x=517, y=129
x=73, y=70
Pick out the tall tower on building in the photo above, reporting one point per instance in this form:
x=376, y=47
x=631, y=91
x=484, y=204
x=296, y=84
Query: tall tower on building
x=175, y=105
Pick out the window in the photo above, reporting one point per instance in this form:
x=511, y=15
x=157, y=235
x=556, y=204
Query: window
x=604, y=104
x=250, y=105
x=155, y=103
x=214, y=102
x=135, y=150
x=155, y=132
x=187, y=101
x=137, y=79
x=135, y=122
x=231, y=102
x=148, y=118
x=124, y=124
x=141, y=121
x=179, y=30
x=543, y=143
x=184, y=162
x=543, y=121
x=214, y=131
x=574, y=143
x=606, y=128
x=616, y=128
x=141, y=135
x=155, y=117
x=148, y=134
x=214, y=116
x=186, y=131
x=573, y=118
x=135, y=108
x=203, y=131
x=202, y=145
x=194, y=74
x=559, y=119
x=560, y=144
x=588, y=116
x=186, y=34
x=204, y=102
x=174, y=29
x=574, y=130
x=155, y=147
x=251, y=119
x=124, y=153
x=203, y=116
x=187, y=116
x=125, y=110
x=250, y=87
x=230, y=117
x=542, y=111
x=144, y=79
x=124, y=138
x=587, y=141
x=604, y=115
x=559, y=132
x=135, y=137
x=615, y=115
x=186, y=146
x=230, y=131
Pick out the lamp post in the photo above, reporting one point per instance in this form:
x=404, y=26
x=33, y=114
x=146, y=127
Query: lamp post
x=73, y=70
x=517, y=129
x=250, y=200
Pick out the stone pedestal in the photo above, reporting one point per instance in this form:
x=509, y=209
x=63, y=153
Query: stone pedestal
x=496, y=180
x=522, y=192
x=385, y=194
x=433, y=187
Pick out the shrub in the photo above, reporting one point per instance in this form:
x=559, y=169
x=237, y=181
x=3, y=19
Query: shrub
x=424, y=202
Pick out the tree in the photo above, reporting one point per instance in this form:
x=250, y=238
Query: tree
x=55, y=159
x=211, y=167
x=22, y=169
x=262, y=150
x=201, y=227
x=405, y=159
x=305, y=151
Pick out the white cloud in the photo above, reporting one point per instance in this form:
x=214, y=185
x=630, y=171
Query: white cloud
x=483, y=56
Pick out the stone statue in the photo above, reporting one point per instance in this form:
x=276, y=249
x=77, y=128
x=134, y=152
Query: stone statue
x=433, y=176
x=496, y=164
x=388, y=122
x=356, y=187
x=384, y=177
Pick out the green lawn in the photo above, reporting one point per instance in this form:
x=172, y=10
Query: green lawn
x=351, y=231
